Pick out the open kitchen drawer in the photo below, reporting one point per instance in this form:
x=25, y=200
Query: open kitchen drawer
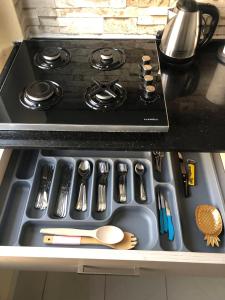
x=21, y=243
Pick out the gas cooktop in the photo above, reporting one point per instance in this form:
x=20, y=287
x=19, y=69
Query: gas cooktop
x=84, y=85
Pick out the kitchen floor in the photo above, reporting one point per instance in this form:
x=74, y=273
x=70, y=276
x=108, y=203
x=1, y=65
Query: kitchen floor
x=150, y=285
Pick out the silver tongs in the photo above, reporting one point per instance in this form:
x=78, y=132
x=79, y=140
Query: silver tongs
x=44, y=187
x=184, y=175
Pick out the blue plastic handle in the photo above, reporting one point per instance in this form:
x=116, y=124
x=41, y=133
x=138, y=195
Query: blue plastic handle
x=161, y=221
x=165, y=222
x=171, y=232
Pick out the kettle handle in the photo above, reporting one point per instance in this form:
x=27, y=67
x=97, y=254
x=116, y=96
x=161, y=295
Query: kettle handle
x=212, y=11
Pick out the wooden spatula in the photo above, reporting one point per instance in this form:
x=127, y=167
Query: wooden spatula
x=129, y=241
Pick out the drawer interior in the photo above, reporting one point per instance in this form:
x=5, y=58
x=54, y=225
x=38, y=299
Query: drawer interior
x=20, y=221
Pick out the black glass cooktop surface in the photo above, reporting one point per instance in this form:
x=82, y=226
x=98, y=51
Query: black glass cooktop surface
x=84, y=85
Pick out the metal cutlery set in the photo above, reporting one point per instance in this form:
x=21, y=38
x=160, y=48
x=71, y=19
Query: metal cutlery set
x=84, y=171
x=92, y=193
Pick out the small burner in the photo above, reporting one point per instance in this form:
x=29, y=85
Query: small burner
x=105, y=96
x=41, y=95
x=107, y=59
x=52, y=58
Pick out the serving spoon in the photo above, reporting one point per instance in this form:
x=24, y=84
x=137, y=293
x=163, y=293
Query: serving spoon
x=105, y=234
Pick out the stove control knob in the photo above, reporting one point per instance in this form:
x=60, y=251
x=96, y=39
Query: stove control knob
x=146, y=59
x=146, y=70
x=148, y=80
x=149, y=93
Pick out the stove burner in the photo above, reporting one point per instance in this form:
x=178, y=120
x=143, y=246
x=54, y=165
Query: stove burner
x=51, y=53
x=41, y=95
x=52, y=58
x=105, y=96
x=107, y=59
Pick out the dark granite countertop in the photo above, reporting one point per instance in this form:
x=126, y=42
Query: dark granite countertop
x=196, y=107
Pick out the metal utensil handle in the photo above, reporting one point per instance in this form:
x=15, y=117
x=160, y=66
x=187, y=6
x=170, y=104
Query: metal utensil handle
x=82, y=198
x=122, y=188
x=62, y=204
x=143, y=196
x=101, y=201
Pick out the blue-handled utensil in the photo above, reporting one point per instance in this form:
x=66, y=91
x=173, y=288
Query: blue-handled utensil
x=160, y=214
x=171, y=231
x=163, y=208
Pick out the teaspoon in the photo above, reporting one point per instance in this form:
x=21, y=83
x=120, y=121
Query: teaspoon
x=84, y=171
x=140, y=170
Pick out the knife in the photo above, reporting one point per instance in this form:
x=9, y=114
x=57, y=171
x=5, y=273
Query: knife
x=171, y=231
x=163, y=208
x=184, y=174
x=160, y=213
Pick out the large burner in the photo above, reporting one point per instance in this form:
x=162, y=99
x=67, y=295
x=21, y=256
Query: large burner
x=105, y=95
x=52, y=58
x=41, y=95
x=107, y=59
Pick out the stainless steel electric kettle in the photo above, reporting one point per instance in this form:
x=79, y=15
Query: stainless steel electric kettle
x=187, y=30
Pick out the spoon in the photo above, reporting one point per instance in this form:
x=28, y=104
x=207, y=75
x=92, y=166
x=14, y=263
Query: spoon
x=128, y=242
x=105, y=234
x=140, y=170
x=84, y=171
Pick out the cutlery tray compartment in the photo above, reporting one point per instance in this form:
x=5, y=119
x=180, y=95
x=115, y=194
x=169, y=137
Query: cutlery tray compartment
x=206, y=191
x=20, y=221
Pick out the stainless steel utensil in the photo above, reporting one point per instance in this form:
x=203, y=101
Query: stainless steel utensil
x=122, y=170
x=44, y=187
x=84, y=171
x=103, y=168
x=158, y=156
x=64, y=192
x=140, y=170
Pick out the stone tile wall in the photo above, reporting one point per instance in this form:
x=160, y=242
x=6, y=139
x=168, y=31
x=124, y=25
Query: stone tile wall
x=98, y=17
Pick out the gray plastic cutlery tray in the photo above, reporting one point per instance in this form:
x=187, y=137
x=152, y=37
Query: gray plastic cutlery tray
x=20, y=221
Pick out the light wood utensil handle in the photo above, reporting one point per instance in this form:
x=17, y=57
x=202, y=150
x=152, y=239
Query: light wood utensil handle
x=70, y=240
x=68, y=232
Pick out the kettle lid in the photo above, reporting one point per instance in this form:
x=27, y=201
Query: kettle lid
x=187, y=5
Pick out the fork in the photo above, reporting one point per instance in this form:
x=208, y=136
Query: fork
x=122, y=170
x=103, y=168
x=44, y=186
x=64, y=192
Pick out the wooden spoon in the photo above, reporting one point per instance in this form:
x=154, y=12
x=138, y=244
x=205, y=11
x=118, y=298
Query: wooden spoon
x=129, y=241
x=105, y=234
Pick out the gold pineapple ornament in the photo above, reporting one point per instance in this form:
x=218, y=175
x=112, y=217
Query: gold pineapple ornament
x=209, y=222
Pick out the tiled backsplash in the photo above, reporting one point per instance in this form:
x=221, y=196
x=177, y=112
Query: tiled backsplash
x=98, y=17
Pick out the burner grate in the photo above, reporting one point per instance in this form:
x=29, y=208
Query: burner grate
x=105, y=95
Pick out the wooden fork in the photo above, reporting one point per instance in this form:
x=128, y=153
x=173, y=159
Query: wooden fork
x=129, y=241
